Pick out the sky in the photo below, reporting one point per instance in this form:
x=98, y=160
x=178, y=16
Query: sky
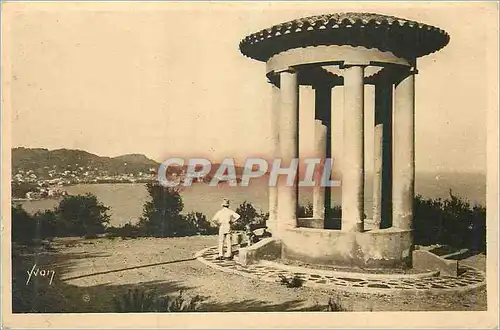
x=167, y=79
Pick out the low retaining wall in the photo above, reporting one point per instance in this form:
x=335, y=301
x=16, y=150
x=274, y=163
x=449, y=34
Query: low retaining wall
x=266, y=249
x=425, y=260
x=381, y=248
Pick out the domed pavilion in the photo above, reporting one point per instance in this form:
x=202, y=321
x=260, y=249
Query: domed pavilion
x=345, y=51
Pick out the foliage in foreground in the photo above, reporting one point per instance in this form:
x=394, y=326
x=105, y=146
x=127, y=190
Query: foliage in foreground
x=77, y=215
x=334, y=306
x=139, y=300
x=293, y=282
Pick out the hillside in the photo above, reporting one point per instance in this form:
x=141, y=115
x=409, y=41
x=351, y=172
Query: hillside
x=41, y=160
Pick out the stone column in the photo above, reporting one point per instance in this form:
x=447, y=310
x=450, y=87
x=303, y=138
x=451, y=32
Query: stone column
x=275, y=125
x=382, y=157
x=353, y=172
x=323, y=105
x=404, y=153
x=289, y=148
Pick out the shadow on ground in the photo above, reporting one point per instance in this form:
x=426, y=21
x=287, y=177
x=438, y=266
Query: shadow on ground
x=63, y=296
x=39, y=296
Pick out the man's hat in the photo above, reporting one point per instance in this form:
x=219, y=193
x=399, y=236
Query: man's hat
x=225, y=202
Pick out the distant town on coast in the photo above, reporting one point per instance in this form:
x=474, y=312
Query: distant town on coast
x=41, y=173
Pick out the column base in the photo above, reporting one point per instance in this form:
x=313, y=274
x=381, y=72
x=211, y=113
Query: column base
x=388, y=248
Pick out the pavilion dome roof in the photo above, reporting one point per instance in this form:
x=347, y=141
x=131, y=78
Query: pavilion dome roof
x=402, y=37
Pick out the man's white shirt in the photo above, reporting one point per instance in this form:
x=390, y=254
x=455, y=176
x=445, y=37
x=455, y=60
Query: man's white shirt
x=225, y=217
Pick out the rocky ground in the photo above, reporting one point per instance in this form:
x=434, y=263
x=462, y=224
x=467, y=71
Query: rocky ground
x=89, y=273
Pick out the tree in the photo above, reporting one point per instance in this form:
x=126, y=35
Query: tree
x=81, y=215
x=161, y=215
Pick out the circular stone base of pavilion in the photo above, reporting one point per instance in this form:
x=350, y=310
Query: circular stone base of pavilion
x=271, y=271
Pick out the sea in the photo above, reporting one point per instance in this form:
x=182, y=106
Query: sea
x=126, y=200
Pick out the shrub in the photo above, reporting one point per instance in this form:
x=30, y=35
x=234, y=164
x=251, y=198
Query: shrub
x=81, y=215
x=293, y=282
x=249, y=216
x=139, y=300
x=127, y=230
x=24, y=227
x=452, y=222
x=334, y=306
x=197, y=223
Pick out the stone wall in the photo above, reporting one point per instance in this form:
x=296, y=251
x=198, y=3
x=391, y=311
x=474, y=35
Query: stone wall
x=386, y=248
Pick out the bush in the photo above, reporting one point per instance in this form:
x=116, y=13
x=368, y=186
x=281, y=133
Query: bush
x=81, y=215
x=249, y=216
x=142, y=301
x=293, y=282
x=334, y=306
x=197, y=223
x=452, y=222
x=127, y=230
x=24, y=227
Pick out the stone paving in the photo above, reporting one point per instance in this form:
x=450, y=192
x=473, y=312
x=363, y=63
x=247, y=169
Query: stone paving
x=469, y=278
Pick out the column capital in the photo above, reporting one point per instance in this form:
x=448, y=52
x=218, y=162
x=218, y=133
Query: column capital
x=409, y=72
x=273, y=79
x=347, y=64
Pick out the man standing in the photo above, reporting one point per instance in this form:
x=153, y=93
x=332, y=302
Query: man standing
x=225, y=217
